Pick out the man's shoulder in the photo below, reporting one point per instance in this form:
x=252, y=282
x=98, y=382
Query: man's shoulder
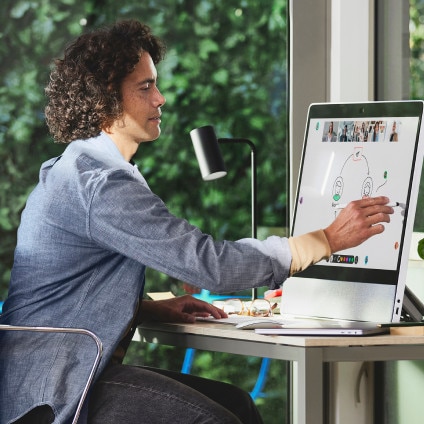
x=97, y=154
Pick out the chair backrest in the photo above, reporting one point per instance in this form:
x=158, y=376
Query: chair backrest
x=77, y=331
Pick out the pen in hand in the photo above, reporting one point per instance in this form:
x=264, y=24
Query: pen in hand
x=391, y=204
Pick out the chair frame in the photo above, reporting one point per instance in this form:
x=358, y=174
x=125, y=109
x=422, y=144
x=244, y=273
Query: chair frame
x=80, y=331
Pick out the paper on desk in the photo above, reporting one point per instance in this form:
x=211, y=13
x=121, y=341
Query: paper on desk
x=160, y=295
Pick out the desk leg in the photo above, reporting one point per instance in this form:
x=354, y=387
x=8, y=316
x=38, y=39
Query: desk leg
x=307, y=388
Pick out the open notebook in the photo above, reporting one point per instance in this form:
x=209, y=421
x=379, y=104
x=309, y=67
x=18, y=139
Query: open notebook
x=351, y=151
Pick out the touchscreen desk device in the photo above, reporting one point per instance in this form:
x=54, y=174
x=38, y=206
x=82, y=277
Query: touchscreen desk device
x=351, y=151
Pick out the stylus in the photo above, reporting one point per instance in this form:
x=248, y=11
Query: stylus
x=392, y=204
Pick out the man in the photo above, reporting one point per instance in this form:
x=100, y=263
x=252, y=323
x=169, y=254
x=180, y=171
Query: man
x=91, y=227
x=343, y=135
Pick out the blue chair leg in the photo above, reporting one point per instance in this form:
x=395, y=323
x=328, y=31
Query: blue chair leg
x=257, y=391
x=188, y=360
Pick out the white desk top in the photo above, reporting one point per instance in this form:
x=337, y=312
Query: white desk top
x=227, y=331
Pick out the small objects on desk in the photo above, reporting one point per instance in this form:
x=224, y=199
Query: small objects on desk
x=160, y=295
x=188, y=288
x=269, y=294
x=274, y=297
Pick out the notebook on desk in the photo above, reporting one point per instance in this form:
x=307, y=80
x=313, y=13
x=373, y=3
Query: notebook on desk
x=351, y=151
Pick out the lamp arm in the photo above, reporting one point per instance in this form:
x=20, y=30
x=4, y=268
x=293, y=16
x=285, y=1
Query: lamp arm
x=253, y=186
x=253, y=177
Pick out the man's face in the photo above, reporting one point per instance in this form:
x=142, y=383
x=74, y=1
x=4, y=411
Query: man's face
x=141, y=101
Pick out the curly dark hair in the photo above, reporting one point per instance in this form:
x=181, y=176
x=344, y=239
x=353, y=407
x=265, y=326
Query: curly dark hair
x=84, y=91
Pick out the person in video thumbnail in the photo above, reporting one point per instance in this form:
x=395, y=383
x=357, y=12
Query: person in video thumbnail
x=394, y=134
x=343, y=135
x=376, y=133
x=330, y=135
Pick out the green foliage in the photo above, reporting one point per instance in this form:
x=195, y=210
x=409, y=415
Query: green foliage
x=31, y=34
x=226, y=66
x=416, y=42
x=228, y=72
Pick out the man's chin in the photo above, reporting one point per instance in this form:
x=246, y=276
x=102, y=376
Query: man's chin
x=151, y=138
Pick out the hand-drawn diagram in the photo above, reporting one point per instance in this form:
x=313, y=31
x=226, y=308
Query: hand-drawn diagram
x=363, y=183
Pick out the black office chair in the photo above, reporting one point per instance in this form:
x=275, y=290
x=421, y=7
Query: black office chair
x=79, y=331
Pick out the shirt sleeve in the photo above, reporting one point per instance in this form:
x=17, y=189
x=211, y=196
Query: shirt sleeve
x=126, y=217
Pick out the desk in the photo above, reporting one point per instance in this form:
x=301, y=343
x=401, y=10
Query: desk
x=310, y=353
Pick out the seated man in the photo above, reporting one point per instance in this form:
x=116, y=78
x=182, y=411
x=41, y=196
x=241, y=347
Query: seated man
x=92, y=226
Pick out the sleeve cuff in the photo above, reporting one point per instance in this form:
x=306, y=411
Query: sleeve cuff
x=308, y=249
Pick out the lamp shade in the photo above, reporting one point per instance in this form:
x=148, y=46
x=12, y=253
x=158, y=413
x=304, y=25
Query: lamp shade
x=208, y=153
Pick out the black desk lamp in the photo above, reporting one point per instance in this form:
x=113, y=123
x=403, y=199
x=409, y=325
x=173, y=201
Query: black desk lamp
x=212, y=165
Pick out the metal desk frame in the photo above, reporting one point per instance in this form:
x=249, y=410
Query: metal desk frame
x=310, y=353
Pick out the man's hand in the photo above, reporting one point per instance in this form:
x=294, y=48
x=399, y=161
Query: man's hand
x=179, y=309
x=359, y=221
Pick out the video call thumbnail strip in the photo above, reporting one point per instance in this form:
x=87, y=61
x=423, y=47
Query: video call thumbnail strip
x=361, y=131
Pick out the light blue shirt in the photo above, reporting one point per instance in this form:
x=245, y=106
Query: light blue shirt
x=89, y=230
